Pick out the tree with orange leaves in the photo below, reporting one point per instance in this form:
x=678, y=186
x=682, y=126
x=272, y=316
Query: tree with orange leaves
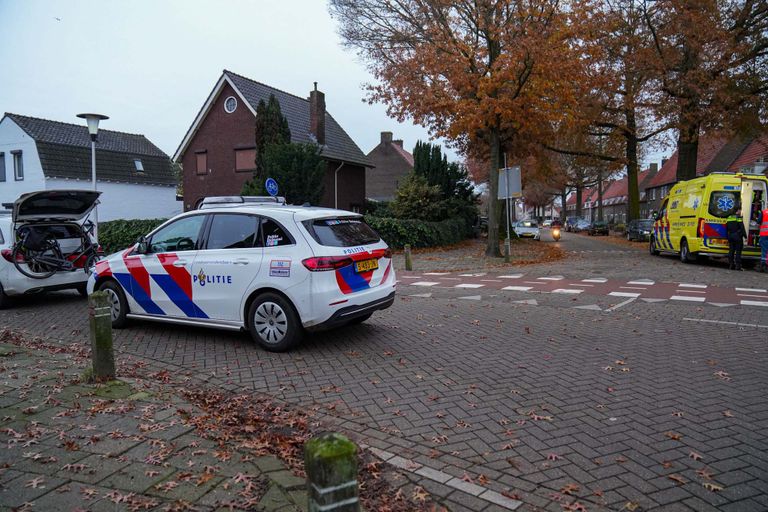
x=711, y=60
x=487, y=73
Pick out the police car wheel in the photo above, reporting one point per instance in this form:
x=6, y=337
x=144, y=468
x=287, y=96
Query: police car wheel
x=652, y=247
x=117, y=304
x=4, y=300
x=273, y=323
x=82, y=289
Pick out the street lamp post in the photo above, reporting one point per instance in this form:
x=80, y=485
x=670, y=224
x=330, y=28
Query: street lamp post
x=93, y=130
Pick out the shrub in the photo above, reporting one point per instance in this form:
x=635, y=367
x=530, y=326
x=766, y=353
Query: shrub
x=116, y=235
x=419, y=233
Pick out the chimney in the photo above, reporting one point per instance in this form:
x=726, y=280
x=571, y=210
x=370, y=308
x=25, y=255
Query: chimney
x=317, y=115
x=654, y=167
x=398, y=142
x=664, y=161
x=386, y=137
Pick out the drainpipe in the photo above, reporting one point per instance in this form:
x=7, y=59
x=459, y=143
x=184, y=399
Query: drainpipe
x=336, y=186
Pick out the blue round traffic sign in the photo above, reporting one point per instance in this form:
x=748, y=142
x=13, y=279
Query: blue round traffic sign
x=271, y=186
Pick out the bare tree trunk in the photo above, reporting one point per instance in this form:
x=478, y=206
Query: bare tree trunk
x=563, y=198
x=494, y=204
x=633, y=192
x=578, y=202
x=687, y=151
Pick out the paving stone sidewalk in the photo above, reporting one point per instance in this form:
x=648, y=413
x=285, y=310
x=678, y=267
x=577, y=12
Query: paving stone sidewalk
x=71, y=446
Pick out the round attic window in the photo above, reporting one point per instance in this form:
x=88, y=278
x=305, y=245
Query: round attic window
x=230, y=104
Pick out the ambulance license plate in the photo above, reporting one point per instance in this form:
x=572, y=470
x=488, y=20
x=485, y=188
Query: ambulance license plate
x=366, y=265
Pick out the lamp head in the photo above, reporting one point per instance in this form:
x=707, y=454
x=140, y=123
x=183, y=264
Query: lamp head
x=93, y=123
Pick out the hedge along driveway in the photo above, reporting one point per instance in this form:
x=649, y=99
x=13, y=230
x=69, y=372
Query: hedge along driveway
x=116, y=235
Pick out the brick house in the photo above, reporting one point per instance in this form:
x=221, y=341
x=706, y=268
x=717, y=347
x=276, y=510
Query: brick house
x=392, y=163
x=218, y=151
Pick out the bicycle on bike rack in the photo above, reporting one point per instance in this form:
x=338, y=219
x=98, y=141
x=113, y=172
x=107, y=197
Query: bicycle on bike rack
x=37, y=253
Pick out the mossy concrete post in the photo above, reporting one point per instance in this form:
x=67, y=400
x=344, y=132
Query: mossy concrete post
x=408, y=260
x=100, y=318
x=331, y=464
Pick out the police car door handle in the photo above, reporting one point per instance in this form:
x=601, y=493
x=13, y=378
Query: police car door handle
x=180, y=263
x=241, y=261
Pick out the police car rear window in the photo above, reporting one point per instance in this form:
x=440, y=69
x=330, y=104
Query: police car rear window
x=341, y=232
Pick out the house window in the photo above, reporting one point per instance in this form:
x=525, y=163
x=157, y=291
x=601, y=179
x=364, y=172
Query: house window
x=653, y=194
x=139, y=166
x=230, y=104
x=2, y=166
x=245, y=159
x=202, y=162
x=18, y=166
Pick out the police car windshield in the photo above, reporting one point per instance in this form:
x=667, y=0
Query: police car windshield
x=341, y=232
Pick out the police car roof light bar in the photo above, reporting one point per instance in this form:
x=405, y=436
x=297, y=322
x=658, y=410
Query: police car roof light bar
x=214, y=201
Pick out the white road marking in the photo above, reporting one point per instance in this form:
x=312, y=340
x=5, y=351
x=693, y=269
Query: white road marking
x=690, y=291
x=689, y=298
x=451, y=278
x=531, y=282
x=595, y=280
x=481, y=274
x=753, y=290
x=621, y=304
x=753, y=303
x=643, y=281
x=720, y=304
x=624, y=294
x=748, y=295
x=654, y=300
x=471, y=297
x=410, y=277
x=551, y=278
x=703, y=320
x=567, y=290
x=591, y=307
x=512, y=276
x=490, y=280
x=425, y=295
x=686, y=285
x=584, y=285
x=436, y=273
x=530, y=302
x=517, y=288
x=424, y=283
x=469, y=285
x=633, y=287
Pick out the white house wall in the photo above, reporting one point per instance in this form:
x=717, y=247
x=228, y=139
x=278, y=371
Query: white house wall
x=127, y=201
x=13, y=138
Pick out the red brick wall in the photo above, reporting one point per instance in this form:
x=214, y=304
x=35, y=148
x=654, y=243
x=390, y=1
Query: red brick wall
x=351, y=183
x=219, y=133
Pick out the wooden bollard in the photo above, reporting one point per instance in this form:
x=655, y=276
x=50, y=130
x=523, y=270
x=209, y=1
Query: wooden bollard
x=100, y=318
x=330, y=461
x=408, y=260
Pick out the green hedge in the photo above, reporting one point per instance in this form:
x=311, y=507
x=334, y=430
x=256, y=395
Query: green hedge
x=116, y=235
x=419, y=233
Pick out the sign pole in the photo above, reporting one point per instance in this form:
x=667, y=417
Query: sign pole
x=507, y=243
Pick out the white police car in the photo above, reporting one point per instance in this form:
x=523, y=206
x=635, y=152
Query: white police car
x=274, y=270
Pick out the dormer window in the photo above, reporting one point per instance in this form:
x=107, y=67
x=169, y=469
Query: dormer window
x=139, y=166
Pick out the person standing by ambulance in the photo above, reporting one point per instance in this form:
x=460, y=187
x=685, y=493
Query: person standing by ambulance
x=764, y=241
x=734, y=227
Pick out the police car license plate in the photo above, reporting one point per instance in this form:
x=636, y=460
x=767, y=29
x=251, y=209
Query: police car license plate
x=366, y=265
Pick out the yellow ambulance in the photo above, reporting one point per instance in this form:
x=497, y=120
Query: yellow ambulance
x=691, y=221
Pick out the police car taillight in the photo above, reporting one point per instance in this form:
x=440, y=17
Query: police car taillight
x=8, y=255
x=387, y=253
x=324, y=263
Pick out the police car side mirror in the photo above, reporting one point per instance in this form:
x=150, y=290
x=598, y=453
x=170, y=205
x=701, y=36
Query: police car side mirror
x=142, y=247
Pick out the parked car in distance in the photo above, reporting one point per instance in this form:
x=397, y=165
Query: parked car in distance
x=570, y=223
x=528, y=229
x=598, y=227
x=546, y=224
x=273, y=270
x=581, y=225
x=639, y=230
x=51, y=216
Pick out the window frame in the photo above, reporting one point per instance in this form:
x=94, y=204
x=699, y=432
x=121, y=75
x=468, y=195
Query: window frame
x=257, y=241
x=18, y=169
x=200, y=234
x=138, y=165
x=253, y=164
x=281, y=225
x=201, y=153
x=2, y=167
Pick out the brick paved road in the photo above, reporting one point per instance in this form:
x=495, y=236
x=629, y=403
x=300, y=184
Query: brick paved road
x=647, y=404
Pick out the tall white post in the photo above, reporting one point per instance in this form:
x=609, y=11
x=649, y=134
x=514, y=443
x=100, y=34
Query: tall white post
x=93, y=183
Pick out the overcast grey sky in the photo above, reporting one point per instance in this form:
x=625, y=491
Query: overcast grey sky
x=150, y=64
